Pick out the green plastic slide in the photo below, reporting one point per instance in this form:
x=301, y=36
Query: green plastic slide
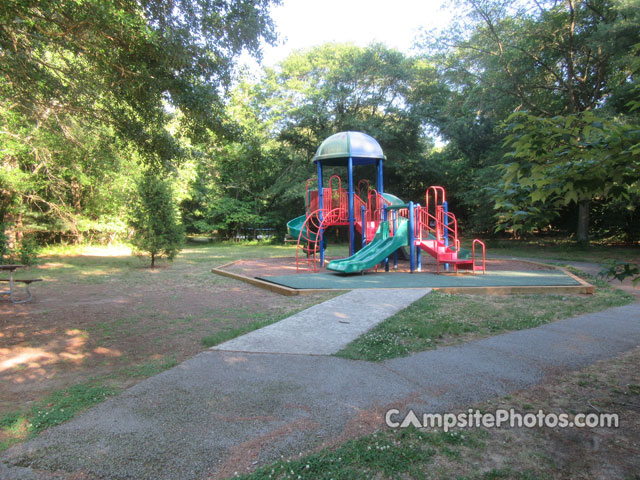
x=381, y=247
x=295, y=226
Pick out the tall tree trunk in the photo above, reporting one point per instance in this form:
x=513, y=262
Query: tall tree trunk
x=19, y=228
x=153, y=260
x=583, y=222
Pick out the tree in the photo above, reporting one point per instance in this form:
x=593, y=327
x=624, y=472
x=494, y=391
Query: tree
x=336, y=87
x=568, y=159
x=156, y=229
x=547, y=58
x=259, y=179
x=88, y=85
x=121, y=61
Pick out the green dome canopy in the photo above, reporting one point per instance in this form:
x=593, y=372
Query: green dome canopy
x=337, y=149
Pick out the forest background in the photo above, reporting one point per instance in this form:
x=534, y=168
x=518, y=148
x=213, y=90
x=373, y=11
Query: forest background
x=527, y=112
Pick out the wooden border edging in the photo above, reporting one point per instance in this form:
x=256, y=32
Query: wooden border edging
x=274, y=287
x=583, y=287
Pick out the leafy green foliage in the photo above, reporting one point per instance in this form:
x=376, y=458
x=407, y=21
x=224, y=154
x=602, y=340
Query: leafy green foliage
x=548, y=59
x=154, y=220
x=621, y=270
x=27, y=252
x=91, y=89
x=120, y=61
x=259, y=180
x=4, y=243
x=565, y=160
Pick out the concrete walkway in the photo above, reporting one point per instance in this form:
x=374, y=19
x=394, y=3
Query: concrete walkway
x=223, y=412
x=327, y=328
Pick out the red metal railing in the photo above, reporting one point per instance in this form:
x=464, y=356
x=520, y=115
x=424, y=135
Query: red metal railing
x=473, y=255
x=364, y=182
x=426, y=223
x=310, y=234
x=438, y=194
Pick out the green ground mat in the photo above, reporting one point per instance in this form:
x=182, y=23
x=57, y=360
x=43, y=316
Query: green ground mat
x=420, y=280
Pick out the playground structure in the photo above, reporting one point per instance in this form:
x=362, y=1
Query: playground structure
x=384, y=222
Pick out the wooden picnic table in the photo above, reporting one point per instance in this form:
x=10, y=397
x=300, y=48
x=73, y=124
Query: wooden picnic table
x=12, y=281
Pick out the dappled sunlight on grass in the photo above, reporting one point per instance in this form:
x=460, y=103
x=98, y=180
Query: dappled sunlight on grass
x=30, y=362
x=113, y=251
x=48, y=265
x=19, y=363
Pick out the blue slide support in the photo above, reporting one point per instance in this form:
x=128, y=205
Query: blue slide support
x=385, y=217
x=352, y=229
x=395, y=229
x=445, y=207
x=364, y=226
x=320, y=205
x=412, y=238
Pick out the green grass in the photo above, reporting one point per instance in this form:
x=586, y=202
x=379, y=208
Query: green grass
x=404, y=453
x=445, y=319
x=233, y=332
x=391, y=454
x=83, y=264
x=562, y=249
x=62, y=267
x=149, y=368
x=58, y=407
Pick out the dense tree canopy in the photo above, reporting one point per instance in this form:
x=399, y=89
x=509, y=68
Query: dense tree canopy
x=286, y=115
x=121, y=62
x=534, y=105
x=545, y=58
x=87, y=91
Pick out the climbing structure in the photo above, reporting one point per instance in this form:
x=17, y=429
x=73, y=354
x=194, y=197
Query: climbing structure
x=334, y=212
x=436, y=232
x=385, y=223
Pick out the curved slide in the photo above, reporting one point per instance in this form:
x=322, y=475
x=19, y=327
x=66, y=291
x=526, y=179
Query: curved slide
x=381, y=247
x=295, y=225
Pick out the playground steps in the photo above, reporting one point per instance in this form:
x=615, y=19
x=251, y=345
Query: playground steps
x=461, y=260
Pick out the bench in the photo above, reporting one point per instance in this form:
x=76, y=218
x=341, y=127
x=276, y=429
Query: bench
x=27, y=283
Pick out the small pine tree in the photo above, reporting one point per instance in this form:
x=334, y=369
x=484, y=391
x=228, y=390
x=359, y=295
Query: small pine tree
x=153, y=219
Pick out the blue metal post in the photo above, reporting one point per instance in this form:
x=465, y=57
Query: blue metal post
x=352, y=230
x=445, y=207
x=412, y=238
x=320, y=206
x=379, y=181
x=364, y=226
x=395, y=229
x=385, y=218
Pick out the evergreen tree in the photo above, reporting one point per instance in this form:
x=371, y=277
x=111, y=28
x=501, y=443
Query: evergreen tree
x=153, y=218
